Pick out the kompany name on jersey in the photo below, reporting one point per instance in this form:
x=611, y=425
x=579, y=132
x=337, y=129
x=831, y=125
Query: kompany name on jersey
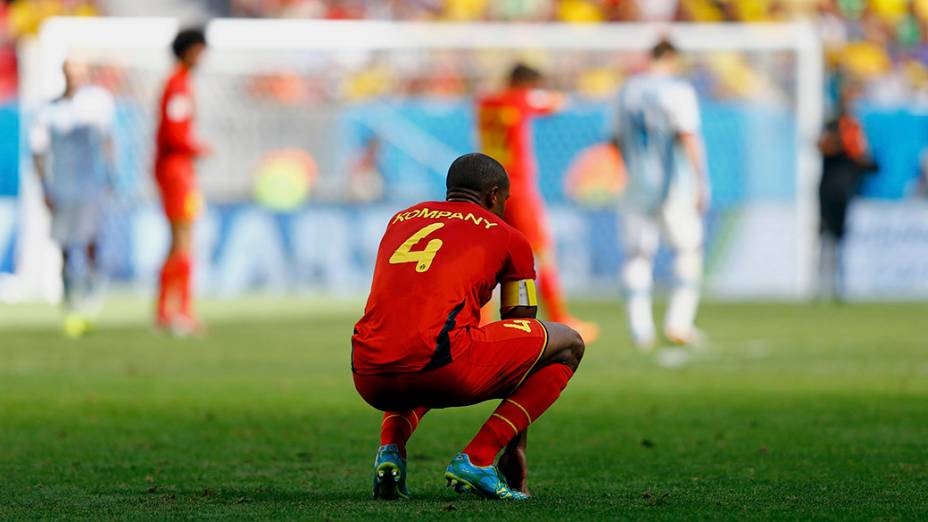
x=443, y=214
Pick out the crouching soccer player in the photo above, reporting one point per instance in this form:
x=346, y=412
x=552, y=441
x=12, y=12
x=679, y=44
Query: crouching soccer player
x=419, y=344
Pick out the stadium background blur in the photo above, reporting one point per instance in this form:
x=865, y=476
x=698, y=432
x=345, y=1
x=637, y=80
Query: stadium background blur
x=283, y=181
x=790, y=411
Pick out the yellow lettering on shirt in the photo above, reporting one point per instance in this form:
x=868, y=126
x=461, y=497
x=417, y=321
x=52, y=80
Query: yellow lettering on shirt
x=424, y=212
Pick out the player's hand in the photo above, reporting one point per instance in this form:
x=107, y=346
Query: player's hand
x=514, y=467
x=49, y=204
x=703, y=200
x=560, y=101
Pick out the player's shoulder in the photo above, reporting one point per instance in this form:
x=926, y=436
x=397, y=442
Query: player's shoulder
x=489, y=99
x=517, y=245
x=515, y=235
x=638, y=81
x=632, y=86
x=95, y=95
x=677, y=91
x=541, y=98
x=635, y=80
x=177, y=80
x=673, y=86
x=95, y=104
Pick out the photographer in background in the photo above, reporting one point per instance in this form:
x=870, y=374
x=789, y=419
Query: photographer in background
x=845, y=161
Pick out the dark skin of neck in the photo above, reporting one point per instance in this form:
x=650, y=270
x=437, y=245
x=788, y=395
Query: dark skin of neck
x=488, y=200
x=492, y=198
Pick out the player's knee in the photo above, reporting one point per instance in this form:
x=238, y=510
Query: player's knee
x=688, y=266
x=181, y=237
x=636, y=274
x=574, y=349
x=565, y=346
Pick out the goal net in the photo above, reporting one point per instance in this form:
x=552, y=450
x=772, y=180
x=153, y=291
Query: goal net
x=322, y=129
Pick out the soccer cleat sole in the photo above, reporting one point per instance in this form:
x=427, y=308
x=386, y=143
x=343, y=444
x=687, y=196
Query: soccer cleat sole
x=387, y=478
x=460, y=485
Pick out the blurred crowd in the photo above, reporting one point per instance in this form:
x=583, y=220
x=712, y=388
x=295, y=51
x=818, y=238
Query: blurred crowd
x=881, y=43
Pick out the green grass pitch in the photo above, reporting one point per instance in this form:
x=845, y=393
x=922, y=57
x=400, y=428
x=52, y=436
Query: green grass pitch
x=791, y=412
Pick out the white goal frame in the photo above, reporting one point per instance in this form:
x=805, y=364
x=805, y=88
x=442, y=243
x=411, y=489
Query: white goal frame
x=41, y=61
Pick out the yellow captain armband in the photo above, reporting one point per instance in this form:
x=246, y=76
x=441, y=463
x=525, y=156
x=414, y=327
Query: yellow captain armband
x=518, y=293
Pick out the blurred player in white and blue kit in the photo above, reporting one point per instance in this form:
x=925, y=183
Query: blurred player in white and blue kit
x=71, y=142
x=657, y=129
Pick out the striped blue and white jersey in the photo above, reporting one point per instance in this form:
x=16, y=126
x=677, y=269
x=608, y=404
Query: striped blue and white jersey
x=72, y=134
x=652, y=110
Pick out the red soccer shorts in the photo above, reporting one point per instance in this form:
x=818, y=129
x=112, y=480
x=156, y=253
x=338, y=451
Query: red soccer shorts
x=499, y=358
x=179, y=192
x=526, y=213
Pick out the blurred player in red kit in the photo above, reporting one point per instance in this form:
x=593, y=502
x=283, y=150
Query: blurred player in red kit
x=504, y=124
x=176, y=151
x=420, y=345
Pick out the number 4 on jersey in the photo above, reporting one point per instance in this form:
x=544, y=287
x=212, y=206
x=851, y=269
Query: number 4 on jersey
x=423, y=258
x=520, y=324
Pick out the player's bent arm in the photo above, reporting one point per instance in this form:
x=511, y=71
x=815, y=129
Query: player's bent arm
x=109, y=154
x=518, y=300
x=544, y=102
x=519, y=312
x=39, y=143
x=692, y=147
x=179, y=140
x=38, y=161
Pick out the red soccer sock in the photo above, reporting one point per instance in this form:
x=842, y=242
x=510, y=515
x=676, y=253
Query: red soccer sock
x=398, y=426
x=184, y=268
x=515, y=413
x=167, y=283
x=550, y=289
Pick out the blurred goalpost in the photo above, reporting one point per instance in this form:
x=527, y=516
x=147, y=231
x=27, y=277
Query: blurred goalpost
x=244, y=46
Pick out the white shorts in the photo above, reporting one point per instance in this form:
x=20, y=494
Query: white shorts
x=76, y=223
x=680, y=223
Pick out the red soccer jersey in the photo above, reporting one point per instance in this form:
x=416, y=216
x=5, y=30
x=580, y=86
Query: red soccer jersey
x=175, y=137
x=437, y=265
x=504, y=124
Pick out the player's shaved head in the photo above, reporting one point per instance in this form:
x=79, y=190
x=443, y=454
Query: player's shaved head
x=477, y=172
x=479, y=178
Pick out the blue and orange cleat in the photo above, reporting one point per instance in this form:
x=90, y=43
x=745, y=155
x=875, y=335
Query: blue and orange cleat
x=485, y=481
x=390, y=474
